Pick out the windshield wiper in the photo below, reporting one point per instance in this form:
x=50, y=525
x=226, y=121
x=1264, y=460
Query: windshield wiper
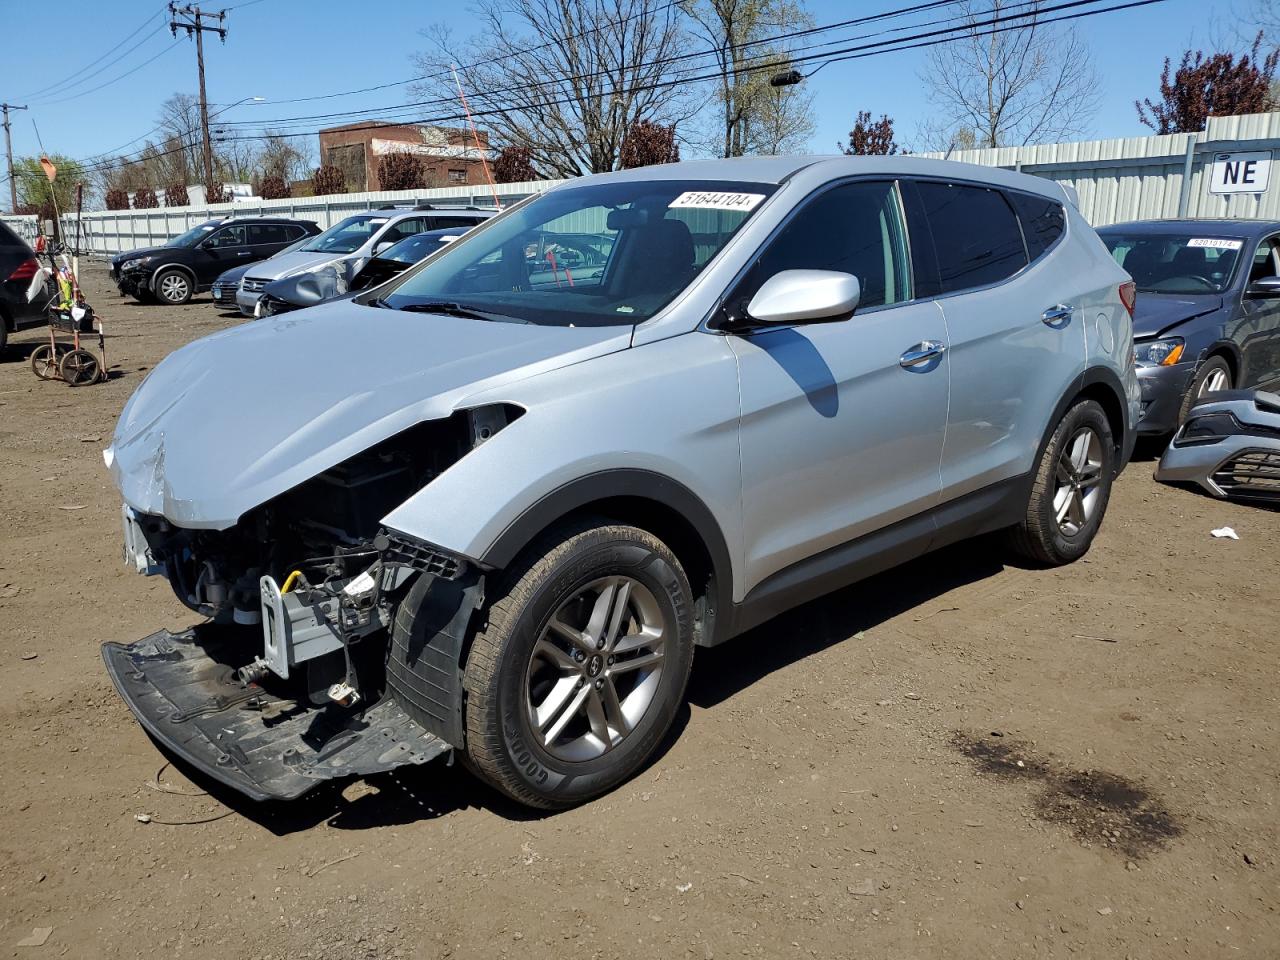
x=452, y=309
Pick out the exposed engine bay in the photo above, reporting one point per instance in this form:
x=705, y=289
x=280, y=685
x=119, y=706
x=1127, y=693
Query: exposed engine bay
x=301, y=594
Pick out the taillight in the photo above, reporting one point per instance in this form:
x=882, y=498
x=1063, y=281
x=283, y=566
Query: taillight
x=1129, y=296
x=25, y=270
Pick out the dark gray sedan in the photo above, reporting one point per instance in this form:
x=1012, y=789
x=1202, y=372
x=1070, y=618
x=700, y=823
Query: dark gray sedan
x=1208, y=310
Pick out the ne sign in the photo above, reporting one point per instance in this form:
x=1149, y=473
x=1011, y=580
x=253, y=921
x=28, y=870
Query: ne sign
x=1240, y=172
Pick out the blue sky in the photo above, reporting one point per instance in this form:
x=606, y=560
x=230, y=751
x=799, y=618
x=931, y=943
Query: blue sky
x=282, y=49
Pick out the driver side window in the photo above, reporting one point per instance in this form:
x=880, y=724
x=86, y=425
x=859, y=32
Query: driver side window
x=228, y=237
x=853, y=228
x=1266, y=260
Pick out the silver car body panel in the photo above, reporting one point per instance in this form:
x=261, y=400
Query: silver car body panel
x=305, y=400
x=795, y=439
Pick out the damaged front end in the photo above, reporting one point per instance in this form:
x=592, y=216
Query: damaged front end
x=287, y=686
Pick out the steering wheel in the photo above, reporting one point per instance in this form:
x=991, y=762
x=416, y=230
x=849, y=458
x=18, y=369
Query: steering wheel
x=1208, y=284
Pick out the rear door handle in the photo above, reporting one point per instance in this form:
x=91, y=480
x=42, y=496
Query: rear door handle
x=922, y=353
x=1059, y=315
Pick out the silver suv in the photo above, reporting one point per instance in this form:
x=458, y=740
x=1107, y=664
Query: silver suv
x=350, y=243
x=493, y=505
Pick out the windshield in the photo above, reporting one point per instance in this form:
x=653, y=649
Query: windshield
x=415, y=248
x=192, y=236
x=1176, y=264
x=596, y=255
x=346, y=236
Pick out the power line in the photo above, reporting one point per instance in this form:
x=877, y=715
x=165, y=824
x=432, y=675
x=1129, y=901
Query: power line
x=56, y=96
x=116, y=79
x=79, y=74
x=776, y=38
x=928, y=39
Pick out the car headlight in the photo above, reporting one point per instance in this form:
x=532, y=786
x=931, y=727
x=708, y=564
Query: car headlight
x=1158, y=353
x=137, y=262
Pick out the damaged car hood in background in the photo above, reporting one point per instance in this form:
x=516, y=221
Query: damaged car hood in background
x=228, y=422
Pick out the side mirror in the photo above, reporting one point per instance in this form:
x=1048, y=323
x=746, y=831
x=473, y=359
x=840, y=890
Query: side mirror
x=800, y=296
x=206, y=244
x=1268, y=288
x=384, y=245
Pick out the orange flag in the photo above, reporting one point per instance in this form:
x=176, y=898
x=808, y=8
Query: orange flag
x=50, y=170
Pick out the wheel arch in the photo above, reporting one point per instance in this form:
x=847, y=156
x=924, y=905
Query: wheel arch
x=1228, y=351
x=1102, y=385
x=653, y=502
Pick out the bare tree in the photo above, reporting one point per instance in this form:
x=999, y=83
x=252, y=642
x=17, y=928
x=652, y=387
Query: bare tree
x=751, y=116
x=1035, y=84
x=565, y=78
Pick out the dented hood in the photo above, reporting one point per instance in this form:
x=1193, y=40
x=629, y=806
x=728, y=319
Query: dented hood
x=230, y=421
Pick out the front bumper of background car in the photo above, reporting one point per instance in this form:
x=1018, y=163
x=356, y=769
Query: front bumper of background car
x=1162, y=391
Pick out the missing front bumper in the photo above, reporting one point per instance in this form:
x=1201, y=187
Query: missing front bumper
x=267, y=748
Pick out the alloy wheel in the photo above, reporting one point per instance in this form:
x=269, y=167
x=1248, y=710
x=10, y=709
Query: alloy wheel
x=595, y=668
x=1079, y=479
x=174, y=288
x=1217, y=380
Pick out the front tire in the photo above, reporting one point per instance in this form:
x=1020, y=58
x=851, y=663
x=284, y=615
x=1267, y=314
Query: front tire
x=173, y=287
x=580, y=666
x=1214, y=375
x=1071, y=489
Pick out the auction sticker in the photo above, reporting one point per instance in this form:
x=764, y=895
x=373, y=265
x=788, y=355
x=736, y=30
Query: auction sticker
x=709, y=200
x=1215, y=244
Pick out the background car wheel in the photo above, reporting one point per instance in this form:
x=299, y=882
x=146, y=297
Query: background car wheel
x=172, y=287
x=1071, y=488
x=580, y=666
x=1214, y=375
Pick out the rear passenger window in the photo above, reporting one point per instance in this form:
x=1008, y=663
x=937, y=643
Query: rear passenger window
x=1043, y=221
x=854, y=228
x=267, y=233
x=975, y=235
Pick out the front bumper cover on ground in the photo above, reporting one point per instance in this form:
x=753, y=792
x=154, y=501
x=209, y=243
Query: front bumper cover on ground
x=1229, y=446
x=263, y=746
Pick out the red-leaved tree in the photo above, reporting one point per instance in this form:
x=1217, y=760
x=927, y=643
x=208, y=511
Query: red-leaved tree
x=870, y=139
x=144, y=198
x=117, y=199
x=1221, y=85
x=216, y=193
x=328, y=179
x=401, y=170
x=175, y=195
x=648, y=143
x=514, y=165
x=273, y=188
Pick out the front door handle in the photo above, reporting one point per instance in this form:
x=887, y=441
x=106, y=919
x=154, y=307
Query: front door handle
x=1059, y=315
x=922, y=353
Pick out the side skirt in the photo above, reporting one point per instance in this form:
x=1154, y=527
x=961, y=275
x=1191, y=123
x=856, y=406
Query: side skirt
x=992, y=508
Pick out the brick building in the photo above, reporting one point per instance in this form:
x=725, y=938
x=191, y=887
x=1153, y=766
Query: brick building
x=449, y=154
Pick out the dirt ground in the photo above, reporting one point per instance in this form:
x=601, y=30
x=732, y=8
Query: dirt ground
x=960, y=758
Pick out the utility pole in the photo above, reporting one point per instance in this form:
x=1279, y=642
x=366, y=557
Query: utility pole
x=193, y=25
x=8, y=152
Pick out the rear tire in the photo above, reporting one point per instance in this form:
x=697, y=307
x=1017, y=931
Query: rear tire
x=1214, y=374
x=577, y=672
x=1071, y=489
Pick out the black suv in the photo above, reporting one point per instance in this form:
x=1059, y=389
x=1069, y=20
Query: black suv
x=18, y=267
x=190, y=262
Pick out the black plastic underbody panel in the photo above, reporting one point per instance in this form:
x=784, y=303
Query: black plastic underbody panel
x=266, y=747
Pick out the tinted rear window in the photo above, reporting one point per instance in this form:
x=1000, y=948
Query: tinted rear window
x=975, y=234
x=1043, y=221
